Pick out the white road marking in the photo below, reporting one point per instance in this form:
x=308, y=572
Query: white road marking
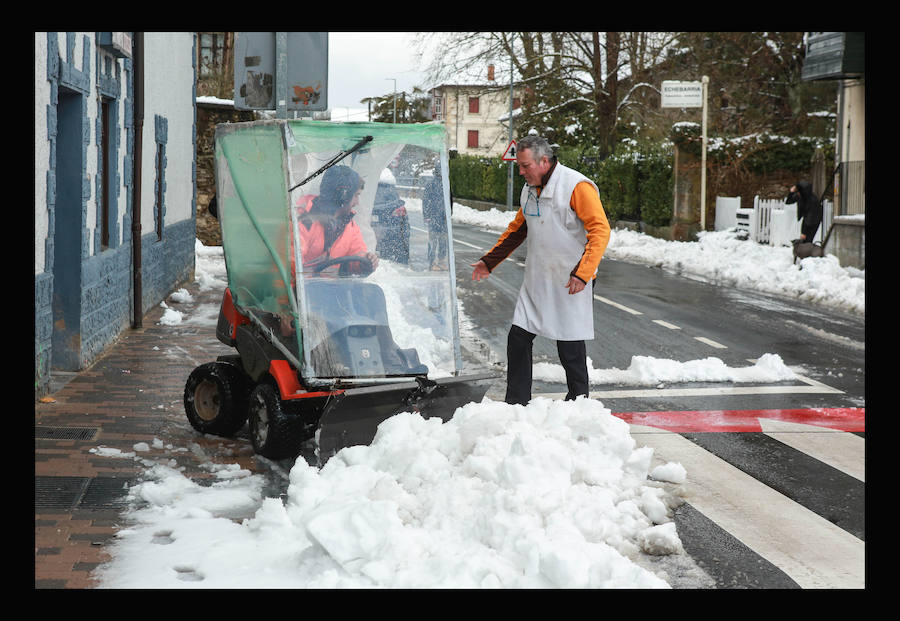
x=811, y=550
x=710, y=342
x=839, y=449
x=811, y=387
x=617, y=305
x=666, y=324
x=622, y=307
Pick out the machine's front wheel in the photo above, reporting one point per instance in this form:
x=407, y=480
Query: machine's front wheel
x=275, y=432
x=215, y=398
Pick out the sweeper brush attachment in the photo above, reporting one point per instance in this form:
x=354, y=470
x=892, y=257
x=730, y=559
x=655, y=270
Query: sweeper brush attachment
x=352, y=417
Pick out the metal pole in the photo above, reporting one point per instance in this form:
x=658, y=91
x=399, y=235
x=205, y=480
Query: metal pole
x=281, y=87
x=395, y=97
x=509, y=177
x=703, y=160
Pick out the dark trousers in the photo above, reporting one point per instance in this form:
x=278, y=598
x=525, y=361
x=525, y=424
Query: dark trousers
x=572, y=355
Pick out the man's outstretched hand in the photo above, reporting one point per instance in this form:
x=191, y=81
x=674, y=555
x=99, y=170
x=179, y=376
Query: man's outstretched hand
x=480, y=271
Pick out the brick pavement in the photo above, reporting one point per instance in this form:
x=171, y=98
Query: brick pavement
x=133, y=393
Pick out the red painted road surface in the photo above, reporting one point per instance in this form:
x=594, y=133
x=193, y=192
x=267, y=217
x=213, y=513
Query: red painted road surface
x=841, y=419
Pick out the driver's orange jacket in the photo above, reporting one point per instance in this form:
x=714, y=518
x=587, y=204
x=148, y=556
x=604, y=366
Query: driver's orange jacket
x=312, y=240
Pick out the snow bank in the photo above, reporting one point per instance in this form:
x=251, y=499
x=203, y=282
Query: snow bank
x=647, y=371
x=551, y=495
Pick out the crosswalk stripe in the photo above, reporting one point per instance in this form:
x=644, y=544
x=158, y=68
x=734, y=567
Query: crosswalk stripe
x=810, y=386
x=811, y=550
x=664, y=393
x=839, y=449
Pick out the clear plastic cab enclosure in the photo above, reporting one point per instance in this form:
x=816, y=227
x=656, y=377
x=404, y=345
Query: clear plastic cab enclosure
x=337, y=242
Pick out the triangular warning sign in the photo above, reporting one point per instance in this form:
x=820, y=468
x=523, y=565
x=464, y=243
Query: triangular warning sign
x=510, y=155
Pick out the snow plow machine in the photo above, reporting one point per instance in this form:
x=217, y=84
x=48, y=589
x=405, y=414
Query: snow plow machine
x=330, y=340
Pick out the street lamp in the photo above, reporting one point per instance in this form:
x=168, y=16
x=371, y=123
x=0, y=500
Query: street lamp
x=395, y=97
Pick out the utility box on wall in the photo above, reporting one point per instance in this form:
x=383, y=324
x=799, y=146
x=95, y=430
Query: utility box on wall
x=834, y=56
x=301, y=56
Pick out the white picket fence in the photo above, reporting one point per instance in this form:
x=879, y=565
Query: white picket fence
x=770, y=221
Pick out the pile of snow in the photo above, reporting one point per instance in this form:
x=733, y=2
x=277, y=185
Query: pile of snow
x=170, y=316
x=550, y=495
x=647, y=371
x=209, y=267
x=723, y=259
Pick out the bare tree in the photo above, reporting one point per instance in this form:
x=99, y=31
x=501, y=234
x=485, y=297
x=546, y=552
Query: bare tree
x=571, y=80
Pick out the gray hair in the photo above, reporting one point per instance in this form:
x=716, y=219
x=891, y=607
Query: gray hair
x=538, y=145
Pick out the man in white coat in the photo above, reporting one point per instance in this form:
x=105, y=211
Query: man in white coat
x=563, y=222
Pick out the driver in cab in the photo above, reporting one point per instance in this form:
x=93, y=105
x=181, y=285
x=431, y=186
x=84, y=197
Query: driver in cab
x=327, y=229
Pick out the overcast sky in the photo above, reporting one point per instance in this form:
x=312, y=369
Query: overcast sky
x=365, y=64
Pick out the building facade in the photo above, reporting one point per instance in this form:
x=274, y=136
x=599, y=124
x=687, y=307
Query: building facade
x=476, y=117
x=841, y=56
x=114, y=186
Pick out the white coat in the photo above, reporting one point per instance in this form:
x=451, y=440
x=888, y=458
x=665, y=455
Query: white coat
x=555, y=243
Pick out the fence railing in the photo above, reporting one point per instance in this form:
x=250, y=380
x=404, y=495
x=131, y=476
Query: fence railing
x=769, y=221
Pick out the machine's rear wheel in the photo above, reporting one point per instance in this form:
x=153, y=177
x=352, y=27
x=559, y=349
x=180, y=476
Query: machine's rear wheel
x=275, y=431
x=215, y=398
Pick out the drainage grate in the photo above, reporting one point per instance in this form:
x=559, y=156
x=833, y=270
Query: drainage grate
x=67, y=493
x=58, y=492
x=65, y=433
x=106, y=493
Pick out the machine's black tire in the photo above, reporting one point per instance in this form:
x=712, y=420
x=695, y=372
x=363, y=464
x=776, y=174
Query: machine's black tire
x=275, y=431
x=215, y=398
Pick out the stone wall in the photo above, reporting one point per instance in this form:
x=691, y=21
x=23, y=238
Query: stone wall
x=208, y=116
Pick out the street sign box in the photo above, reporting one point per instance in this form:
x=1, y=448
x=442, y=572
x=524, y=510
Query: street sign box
x=677, y=94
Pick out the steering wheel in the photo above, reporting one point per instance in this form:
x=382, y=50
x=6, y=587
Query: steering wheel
x=366, y=266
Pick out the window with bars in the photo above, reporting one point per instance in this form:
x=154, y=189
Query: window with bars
x=210, y=53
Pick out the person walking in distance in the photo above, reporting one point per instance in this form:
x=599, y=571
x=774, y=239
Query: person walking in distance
x=562, y=221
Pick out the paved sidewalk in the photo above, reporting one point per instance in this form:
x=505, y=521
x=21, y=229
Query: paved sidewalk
x=132, y=394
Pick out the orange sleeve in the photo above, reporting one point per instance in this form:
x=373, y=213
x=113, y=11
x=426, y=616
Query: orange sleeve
x=511, y=238
x=586, y=203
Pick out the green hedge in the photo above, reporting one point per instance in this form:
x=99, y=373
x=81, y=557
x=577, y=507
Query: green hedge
x=635, y=183
x=483, y=179
x=760, y=153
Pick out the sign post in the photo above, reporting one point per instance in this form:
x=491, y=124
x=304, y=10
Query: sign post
x=703, y=160
x=512, y=144
x=676, y=94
